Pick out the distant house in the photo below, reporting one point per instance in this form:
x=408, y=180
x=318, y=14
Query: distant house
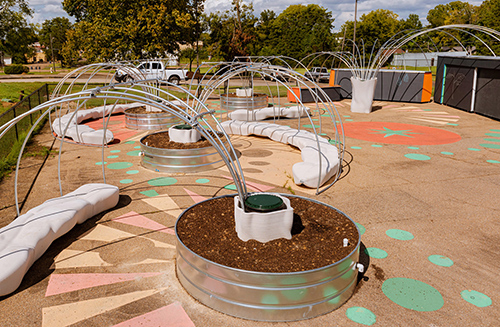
x=39, y=54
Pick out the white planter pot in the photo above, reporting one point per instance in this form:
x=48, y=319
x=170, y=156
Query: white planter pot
x=183, y=135
x=244, y=92
x=362, y=95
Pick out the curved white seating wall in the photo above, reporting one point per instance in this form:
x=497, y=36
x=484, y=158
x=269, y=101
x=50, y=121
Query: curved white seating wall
x=269, y=112
x=306, y=172
x=24, y=240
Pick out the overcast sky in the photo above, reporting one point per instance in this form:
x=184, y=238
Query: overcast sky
x=342, y=10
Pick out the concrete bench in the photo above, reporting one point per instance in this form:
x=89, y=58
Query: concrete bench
x=24, y=240
x=269, y=112
x=306, y=172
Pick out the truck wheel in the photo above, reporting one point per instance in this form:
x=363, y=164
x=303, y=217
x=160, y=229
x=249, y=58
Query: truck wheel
x=174, y=80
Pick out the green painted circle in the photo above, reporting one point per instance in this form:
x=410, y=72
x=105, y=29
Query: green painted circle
x=310, y=126
x=413, y=147
x=137, y=147
x=162, y=181
x=346, y=116
x=361, y=228
x=333, y=142
x=440, y=260
x=269, y=299
x=417, y=156
x=202, y=181
x=490, y=145
x=413, y=294
x=356, y=147
x=492, y=140
x=495, y=130
x=100, y=163
x=361, y=316
x=112, y=157
x=493, y=161
x=399, y=234
x=376, y=145
x=492, y=134
x=349, y=119
x=120, y=165
x=130, y=142
x=115, y=151
x=451, y=124
x=230, y=187
x=126, y=181
x=478, y=299
x=376, y=253
x=473, y=149
x=447, y=153
x=132, y=172
x=133, y=153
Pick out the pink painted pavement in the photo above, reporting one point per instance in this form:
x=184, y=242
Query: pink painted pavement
x=135, y=219
x=196, y=197
x=172, y=315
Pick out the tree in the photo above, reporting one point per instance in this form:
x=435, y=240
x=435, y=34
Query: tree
x=127, y=29
x=300, y=30
x=456, y=12
x=411, y=23
x=373, y=29
x=488, y=15
x=53, y=36
x=264, y=30
x=12, y=21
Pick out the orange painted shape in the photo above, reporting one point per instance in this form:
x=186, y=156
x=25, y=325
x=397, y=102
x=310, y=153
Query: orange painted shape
x=331, y=81
x=172, y=315
x=427, y=87
x=385, y=132
x=291, y=97
x=135, y=219
x=64, y=283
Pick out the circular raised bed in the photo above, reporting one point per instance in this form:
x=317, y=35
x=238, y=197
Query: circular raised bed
x=188, y=158
x=139, y=118
x=264, y=293
x=230, y=101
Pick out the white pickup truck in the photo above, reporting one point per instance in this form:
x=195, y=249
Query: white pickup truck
x=152, y=69
x=318, y=74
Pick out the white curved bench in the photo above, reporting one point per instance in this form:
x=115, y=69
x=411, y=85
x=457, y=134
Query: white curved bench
x=269, y=112
x=306, y=172
x=25, y=239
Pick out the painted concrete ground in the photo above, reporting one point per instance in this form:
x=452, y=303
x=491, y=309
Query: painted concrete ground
x=422, y=181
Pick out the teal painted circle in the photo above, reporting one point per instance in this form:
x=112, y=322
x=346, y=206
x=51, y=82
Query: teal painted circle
x=361, y=228
x=478, y=299
x=495, y=130
x=126, y=181
x=490, y=145
x=361, y=315
x=376, y=145
x=349, y=119
x=413, y=147
x=115, y=151
x=134, y=153
x=132, y=172
x=376, y=253
x=130, y=142
x=493, y=134
x=440, y=260
x=333, y=142
x=137, y=147
x=451, y=124
x=346, y=116
x=417, y=156
x=162, y=181
x=413, y=294
x=202, y=181
x=399, y=234
x=492, y=140
x=120, y=165
x=447, y=153
x=310, y=126
x=100, y=163
x=493, y=161
x=356, y=147
x=230, y=187
x=112, y=157
x=473, y=149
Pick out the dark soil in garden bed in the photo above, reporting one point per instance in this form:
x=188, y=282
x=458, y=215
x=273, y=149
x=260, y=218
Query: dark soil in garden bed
x=317, y=238
x=161, y=140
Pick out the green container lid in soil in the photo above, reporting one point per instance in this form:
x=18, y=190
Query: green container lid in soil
x=264, y=202
x=183, y=126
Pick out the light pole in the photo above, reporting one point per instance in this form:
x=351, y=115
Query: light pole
x=354, y=34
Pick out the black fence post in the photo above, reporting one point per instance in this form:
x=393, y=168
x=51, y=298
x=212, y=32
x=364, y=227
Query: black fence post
x=31, y=115
x=15, y=126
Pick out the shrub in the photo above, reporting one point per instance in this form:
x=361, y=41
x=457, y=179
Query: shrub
x=16, y=69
